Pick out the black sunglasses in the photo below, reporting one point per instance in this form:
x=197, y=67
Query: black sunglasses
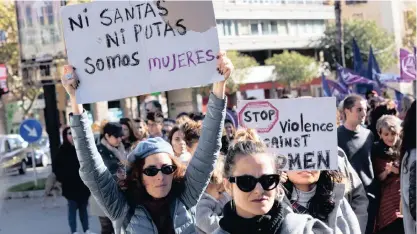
x=167, y=170
x=247, y=183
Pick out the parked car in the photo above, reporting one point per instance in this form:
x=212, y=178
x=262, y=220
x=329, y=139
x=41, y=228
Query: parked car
x=13, y=153
x=42, y=152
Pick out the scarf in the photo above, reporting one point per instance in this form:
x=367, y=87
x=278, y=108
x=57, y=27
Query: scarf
x=119, y=152
x=269, y=223
x=386, y=152
x=160, y=212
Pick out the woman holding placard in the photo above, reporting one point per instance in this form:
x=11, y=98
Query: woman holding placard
x=317, y=193
x=252, y=180
x=161, y=196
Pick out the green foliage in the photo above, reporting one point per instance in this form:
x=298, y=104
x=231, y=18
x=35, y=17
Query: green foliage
x=366, y=34
x=9, y=52
x=241, y=63
x=28, y=186
x=9, y=55
x=293, y=68
x=409, y=39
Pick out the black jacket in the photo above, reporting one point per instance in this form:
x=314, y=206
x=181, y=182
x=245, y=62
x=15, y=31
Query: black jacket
x=110, y=160
x=67, y=172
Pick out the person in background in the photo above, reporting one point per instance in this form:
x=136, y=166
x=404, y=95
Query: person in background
x=167, y=127
x=142, y=129
x=321, y=194
x=176, y=139
x=386, y=161
x=113, y=154
x=153, y=107
x=210, y=207
x=182, y=119
x=73, y=188
x=356, y=141
x=252, y=179
x=199, y=117
x=354, y=191
x=130, y=135
x=155, y=123
x=192, y=133
x=228, y=137
x=408, y=170
x=405, y=105
x=385, y=108
x=371, y=94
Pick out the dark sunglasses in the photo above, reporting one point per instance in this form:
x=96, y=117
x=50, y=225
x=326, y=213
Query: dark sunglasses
x=167, y=170
x=247, y=183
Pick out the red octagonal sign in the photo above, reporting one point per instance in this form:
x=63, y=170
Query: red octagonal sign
x=259, y=115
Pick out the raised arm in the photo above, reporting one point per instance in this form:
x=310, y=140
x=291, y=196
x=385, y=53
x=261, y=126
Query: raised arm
x=202, y=163
x=93, y=172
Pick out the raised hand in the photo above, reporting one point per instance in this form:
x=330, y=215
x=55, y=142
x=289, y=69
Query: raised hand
x=70, y=80
x=224, y=65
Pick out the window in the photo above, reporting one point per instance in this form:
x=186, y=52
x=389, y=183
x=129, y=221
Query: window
x=220, y=28
x=292, y=27
x=50, y=13
x=244, y=28
x=254, y=28
x=29, y=16
x=227, y=27
x=14, y=144
x=282, y=27
x=274, y=27
x=265, y=28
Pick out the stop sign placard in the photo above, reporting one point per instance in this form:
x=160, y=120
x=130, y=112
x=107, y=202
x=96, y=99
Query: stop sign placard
x=261, y=116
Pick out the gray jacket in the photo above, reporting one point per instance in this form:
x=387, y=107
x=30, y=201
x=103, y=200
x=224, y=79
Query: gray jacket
x=209, y=212
x=295, y=223
x=355, y=192
x=113, y=202
x=408, y=192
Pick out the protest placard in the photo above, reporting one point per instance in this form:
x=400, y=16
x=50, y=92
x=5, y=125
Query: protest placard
x=128, y=48
x=302, y=132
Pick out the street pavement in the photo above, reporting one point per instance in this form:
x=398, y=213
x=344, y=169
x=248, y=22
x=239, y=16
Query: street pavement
x=26, y=216
x=21, y=216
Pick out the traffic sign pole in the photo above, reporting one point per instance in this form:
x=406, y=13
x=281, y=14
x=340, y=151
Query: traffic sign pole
x=31, y=131
x=34, y=165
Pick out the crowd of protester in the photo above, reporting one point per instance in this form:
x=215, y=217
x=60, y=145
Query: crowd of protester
x=216, y=178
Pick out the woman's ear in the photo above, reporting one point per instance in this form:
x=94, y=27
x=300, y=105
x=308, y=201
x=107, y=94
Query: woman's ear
x=228, y=186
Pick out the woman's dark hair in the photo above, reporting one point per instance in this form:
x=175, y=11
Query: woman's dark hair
x=133, y=186
x=192, y=132
x=386, y=108
x=112, y=129
x=133, y=134
x=408, y=133
x=172, y=132
x=322, y=203
x=64, y=135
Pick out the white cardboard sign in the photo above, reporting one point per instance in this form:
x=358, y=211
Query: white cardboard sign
x=128, y=48
x=302, y=132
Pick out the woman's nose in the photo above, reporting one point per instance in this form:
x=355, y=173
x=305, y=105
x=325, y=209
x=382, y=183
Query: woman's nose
x=258, y=188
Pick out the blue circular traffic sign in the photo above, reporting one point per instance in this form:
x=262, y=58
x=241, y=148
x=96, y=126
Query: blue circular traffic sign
x=31, y=130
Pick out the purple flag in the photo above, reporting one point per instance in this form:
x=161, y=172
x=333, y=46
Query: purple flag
x=407, y=65
x=350, y=78
x=336, y=86
x=384, y=78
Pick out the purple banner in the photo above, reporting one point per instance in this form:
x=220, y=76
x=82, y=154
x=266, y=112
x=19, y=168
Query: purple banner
x=407, y=65
x=350, y=78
